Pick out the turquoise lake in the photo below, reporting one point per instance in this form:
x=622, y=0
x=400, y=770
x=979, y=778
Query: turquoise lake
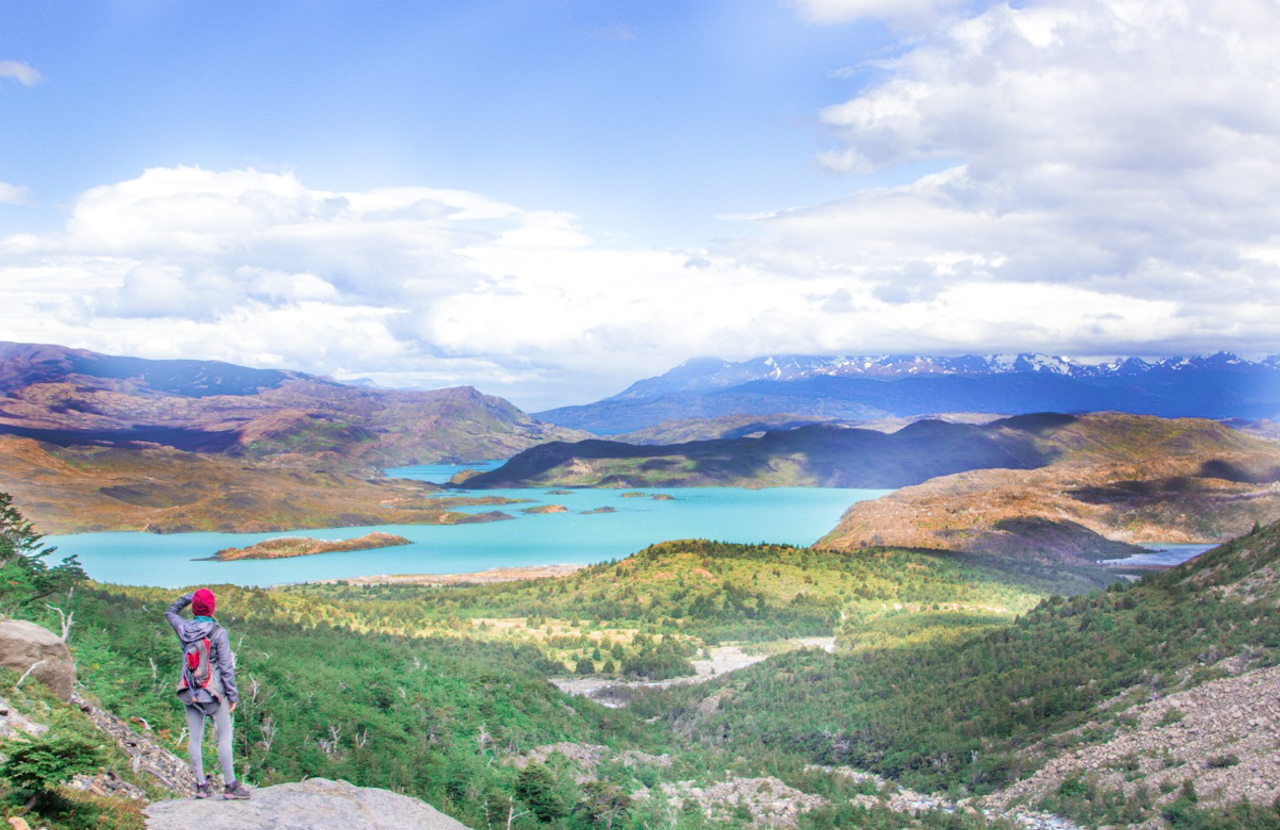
x=790, y=515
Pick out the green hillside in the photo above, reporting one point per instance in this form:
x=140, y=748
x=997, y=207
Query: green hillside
x=973, y=714
x=948, y=676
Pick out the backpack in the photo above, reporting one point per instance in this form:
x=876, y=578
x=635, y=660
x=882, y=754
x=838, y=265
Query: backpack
x=197, y=675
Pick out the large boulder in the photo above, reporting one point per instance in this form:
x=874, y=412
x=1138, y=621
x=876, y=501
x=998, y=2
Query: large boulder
x=314, y=804
x=24, y=644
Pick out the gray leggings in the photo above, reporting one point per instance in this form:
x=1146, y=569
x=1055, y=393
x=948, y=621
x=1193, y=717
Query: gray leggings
x=221, y=731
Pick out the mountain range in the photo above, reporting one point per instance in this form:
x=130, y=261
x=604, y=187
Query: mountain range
x=95, y=442
x=72, y=397
x=887, y=386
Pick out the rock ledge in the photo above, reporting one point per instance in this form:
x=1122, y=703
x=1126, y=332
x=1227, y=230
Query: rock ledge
x=314, y=804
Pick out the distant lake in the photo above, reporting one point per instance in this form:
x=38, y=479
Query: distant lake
x=787, y=515
x=1162, y=556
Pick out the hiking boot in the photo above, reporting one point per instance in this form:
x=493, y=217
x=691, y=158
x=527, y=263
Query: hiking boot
x=235, y=790
x=204, y=790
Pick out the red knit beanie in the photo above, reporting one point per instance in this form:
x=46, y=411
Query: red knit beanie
x=202, y=603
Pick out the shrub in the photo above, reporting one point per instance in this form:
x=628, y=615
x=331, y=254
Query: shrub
x=37, y=768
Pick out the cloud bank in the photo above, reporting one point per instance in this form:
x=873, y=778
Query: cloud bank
x=1101, y=180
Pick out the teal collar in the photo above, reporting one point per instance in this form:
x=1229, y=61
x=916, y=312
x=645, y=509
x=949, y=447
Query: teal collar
x=203, y=619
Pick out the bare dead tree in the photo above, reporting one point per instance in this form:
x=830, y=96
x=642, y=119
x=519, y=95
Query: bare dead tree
x=483, y=740
x=330, y=744
x=268, y=732
x=512, y=815
x=64, y=616
x=36, y=665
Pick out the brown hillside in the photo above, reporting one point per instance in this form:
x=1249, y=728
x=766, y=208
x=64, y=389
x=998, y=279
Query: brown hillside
x=77, y=489
x=1116, y=479
x=76, y=397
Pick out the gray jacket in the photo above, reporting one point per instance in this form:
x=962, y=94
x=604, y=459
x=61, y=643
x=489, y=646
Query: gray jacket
x=222, y=661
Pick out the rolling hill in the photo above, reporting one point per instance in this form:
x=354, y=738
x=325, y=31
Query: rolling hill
x=1116, y=479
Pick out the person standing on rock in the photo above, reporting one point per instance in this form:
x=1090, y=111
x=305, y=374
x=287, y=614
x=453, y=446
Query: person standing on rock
x=214, y=695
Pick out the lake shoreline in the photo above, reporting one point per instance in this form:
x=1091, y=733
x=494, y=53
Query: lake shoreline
x=486, y=577
x=597, y=526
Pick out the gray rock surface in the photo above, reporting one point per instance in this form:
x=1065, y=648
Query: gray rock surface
x=24, y=644
x=314, y=804
x=12, y=722
x=146, y=754
x=1222, y=738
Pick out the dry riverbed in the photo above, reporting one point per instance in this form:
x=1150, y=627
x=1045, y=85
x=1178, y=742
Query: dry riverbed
x=719, y=660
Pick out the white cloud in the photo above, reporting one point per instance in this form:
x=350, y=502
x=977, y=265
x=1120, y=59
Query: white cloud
x=1125, y=148
x=843, y=11
x=12, y=194
x=1102, y=182
x=166, y=291
x=21, y=72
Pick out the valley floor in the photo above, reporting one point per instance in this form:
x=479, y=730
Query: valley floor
x=720, y=660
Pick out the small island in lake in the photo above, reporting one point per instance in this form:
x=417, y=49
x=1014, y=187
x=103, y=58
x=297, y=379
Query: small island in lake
x=301, y=546
x=546, y=508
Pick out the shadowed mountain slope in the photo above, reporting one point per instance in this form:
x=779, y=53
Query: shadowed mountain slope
x=819, y=455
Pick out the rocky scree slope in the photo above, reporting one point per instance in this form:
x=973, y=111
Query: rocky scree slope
x=1213, y=723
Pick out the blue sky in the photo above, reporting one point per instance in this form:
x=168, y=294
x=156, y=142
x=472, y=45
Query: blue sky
x=649, y=117
x=549, y=200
